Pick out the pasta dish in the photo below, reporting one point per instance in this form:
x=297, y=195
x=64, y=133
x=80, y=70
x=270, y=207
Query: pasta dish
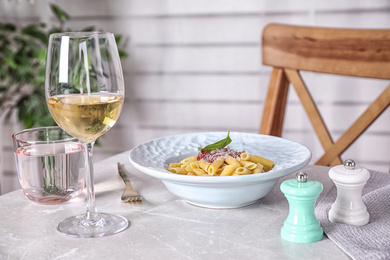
x=221, y=162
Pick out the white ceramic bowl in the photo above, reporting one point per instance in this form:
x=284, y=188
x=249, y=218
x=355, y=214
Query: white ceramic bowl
x=153, y=158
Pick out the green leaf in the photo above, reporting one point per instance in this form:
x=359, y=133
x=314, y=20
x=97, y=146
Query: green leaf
x=7, y=27
x=23, y=115
x=218, y=145
x=55, y=30
x=42, y=55
x=61, y=15
x=10, y=62
x=89, y=29
x=118, y=38
x=122, y=54
x=43, y=118
x=23, y=41
x=34, y=31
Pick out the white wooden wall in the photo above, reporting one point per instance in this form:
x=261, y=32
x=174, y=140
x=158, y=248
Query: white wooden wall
x=195, y=66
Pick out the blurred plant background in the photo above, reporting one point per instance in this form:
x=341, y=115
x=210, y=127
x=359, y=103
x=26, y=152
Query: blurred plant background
x=22, y=68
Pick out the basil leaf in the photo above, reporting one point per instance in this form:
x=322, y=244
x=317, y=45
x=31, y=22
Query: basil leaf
x=218, y=145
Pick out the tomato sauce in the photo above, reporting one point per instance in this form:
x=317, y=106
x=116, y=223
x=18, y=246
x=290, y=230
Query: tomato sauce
x=213, y=155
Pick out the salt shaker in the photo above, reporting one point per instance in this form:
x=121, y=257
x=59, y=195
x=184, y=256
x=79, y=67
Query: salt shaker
x=348, y=207
x=301, y=224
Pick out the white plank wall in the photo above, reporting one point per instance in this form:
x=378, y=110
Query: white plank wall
x=195, y=66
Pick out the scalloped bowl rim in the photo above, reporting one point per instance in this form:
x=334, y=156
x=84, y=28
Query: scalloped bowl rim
x=163, y=174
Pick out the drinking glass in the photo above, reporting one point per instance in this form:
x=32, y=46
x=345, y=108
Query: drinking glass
x=85, y=92
x=50, y=164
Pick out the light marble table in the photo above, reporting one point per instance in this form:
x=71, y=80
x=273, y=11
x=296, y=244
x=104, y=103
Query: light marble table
x=162, y=226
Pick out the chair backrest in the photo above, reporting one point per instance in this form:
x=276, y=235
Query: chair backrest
x=352, y=52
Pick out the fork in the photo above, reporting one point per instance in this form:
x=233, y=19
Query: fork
x=129, y=194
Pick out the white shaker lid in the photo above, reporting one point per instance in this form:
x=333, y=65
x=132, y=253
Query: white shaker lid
x=349, y=173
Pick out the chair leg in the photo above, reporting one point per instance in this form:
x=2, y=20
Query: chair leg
x=275, y=104
x=313, y=113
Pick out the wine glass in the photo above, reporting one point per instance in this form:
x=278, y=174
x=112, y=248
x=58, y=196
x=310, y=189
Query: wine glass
x=85, y=92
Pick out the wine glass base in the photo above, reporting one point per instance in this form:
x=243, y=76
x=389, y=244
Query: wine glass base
x=103, y=225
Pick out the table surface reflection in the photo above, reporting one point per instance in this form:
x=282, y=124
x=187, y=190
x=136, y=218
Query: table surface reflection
x=162, y=226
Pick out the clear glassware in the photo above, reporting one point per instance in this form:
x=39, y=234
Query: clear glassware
x=50, y=164
x=84, y=89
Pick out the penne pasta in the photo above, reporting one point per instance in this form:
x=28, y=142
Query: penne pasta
x=263, y=161
x=242, y=171
x=259, y=168
x=178, y=170
x=189, y=168
x=249, y=165
x=186, y=161
x=204, y=165
x=200, y=172
x=212, y=169
x=228, y=170
x=175, y=165
x=221, y=162
x=219, y=171
x=231, y=161
x=194, y=165
x=245, y=156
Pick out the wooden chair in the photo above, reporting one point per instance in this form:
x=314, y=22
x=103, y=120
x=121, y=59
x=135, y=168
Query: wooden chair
x=351, y=52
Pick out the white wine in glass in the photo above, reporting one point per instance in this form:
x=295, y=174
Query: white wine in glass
x=86, y=116
x=85, y=92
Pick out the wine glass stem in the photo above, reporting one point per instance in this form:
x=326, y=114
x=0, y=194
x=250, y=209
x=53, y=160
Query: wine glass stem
x=91, y=214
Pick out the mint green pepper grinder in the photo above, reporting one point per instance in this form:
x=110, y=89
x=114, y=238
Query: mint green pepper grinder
x=301, y=225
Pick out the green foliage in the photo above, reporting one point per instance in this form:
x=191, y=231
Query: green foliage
x=22, y=68
x=218, y=145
